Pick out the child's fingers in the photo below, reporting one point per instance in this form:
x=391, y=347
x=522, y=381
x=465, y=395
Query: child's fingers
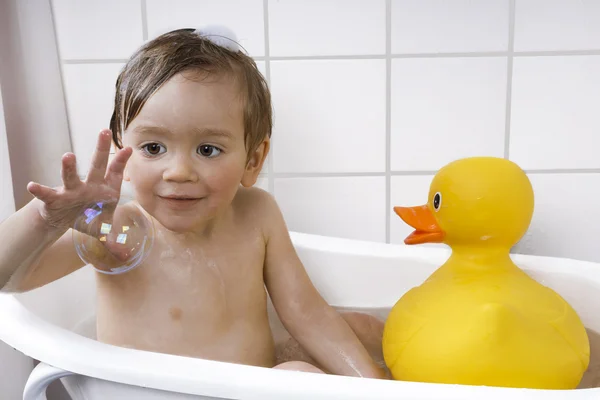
x=100, y=157
x=118, y=250
x=69, y=171
x=114, y=175
x=44, y=193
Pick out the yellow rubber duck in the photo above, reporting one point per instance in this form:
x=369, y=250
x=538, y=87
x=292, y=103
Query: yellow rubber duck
x=479, y=319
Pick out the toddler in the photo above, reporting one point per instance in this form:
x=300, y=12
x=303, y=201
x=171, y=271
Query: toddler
x=192, y=123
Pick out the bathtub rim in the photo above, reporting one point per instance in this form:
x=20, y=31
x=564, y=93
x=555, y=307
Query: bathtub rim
x=44, y=341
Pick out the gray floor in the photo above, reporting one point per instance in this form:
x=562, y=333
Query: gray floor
x=56, y=391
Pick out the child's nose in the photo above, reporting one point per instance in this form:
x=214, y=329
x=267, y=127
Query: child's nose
x=180, y=169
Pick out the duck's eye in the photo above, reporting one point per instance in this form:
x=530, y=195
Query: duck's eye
x=437, y=201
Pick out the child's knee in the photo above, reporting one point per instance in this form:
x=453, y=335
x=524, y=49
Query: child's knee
x=290, y=350
x=299, y=366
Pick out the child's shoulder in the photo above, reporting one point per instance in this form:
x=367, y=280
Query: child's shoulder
x=257, y=208
x=254, y=201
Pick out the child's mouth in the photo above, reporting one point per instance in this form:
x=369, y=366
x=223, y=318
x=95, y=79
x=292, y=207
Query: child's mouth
x=180, y=201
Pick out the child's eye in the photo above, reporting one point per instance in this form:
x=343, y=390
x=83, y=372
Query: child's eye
x=208, y=151
x=153, y=149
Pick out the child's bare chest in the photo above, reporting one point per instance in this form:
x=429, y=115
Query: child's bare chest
x=213, y=282
x=200, y=301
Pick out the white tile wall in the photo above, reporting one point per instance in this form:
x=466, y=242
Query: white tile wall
x=331, y=113
x=372, y=97
x=437, y=26
x=89, y=105
x=565, y=223
x=557, y=25
x=332, y=206
x=97, y=29
x=358, y=29
x=555, y=120
x=446, y=108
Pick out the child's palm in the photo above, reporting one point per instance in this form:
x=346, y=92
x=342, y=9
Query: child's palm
x=62, y=206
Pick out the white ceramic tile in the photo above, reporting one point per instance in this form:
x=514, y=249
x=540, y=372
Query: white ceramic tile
x=557, y=25
x=329, y=112
x=326, y=27
x=97, y=29
x=244, y=17
x=407, y=191
x=350, y=207
x=89, y=89
x=442, y=26
x=565, y=220
x=554, y=117
x=446, y=108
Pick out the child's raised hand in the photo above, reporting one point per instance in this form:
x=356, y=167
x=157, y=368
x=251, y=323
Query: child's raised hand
x=61, y=206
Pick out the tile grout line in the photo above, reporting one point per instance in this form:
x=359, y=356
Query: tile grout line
x=388, y=117
x=270, y=172
x=559, y=171
x=514, y=54
x=144, y=21
x=509, y=77
x=554, y=53
x=302, y=175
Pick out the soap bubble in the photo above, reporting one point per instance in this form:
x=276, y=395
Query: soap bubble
x=113, y=239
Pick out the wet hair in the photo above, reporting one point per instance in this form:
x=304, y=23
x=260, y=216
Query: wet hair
x=154, y=63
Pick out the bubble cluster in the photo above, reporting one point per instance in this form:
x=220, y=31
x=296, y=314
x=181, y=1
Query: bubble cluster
x=113, y=238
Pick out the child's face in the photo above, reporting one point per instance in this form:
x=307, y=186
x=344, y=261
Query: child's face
x=189, y=154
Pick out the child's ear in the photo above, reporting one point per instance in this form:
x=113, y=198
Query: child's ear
x=255, y=163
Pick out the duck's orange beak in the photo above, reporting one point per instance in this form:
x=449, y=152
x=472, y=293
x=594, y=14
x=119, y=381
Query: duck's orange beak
x=422, y=219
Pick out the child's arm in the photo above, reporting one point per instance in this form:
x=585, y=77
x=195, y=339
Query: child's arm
x=310, y=320
x=32, y=252
x=36, y=241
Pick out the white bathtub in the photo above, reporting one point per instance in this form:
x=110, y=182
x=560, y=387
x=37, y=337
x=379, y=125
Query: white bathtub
x=42, y=325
